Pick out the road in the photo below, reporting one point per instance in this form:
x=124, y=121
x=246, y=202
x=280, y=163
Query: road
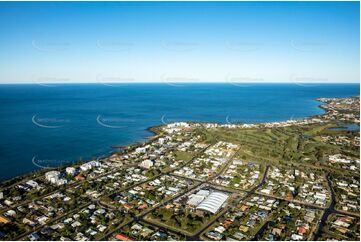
x=23, y=235
x=202, y=183
x=328, y=211
x=141, y=216
x=199, y=233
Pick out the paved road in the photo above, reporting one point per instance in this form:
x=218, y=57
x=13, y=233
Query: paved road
x=328, y=211
x=141, y=216
x=64, y=188
x=200, y=183
x=260, y=232
x=41, y=173
x=248, y=194
x=197, y=235
x=23, y=235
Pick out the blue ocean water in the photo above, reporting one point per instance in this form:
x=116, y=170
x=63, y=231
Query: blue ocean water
x=62, y=123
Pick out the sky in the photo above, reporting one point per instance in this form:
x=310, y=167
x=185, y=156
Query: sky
x=70, y=42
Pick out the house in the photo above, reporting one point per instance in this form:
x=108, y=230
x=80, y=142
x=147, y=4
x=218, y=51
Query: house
x=81, y=237
x=296, y=237
x=270, y=237
x=243, y=228
x=146, y=232
x=52, y=176
x=266, y=191
x=239, y=236
x=70, y=171
x=10, y=213
x=146, y=164
x=277, y=231
x=32, y=183
x=89, y=165
x=140, y=150
x=91, y=232
x=341, y=223
x=341, y=230
x=214, y=235
x=34, y=236
x=227, y=222
x=100, y=211
x=159, y=234
x=101, y=228
x=142, y=206
x=219, y=229
x=46, y=231
x=3, y=220
x=128, y=206
x=28, y=222
x=42, y=220
x=244, y=207
x=122, y=237
x=62, y=238
x=136, y=227
x=301, y=230
x=76, y=224
x=91, y=206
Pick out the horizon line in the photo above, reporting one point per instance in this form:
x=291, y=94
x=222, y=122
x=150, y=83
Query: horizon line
x=169, y=83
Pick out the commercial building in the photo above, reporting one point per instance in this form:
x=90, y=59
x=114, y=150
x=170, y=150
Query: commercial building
x=213, y=202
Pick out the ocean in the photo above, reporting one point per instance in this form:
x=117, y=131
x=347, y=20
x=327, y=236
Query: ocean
x=49, y=125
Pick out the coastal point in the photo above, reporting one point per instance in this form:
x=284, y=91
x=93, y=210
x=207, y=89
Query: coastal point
x=291, y=180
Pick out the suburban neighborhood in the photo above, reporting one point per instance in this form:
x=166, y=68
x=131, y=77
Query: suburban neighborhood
x=193, y=182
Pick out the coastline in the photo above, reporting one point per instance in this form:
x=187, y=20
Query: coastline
x=155, y=130
x=17, y=179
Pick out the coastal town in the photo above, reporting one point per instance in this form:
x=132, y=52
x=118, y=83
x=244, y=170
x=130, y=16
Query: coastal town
x=291, y=180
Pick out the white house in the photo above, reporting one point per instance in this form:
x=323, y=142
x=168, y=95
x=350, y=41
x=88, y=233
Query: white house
x=70, y=171
x=147, y=164
x=52, y=176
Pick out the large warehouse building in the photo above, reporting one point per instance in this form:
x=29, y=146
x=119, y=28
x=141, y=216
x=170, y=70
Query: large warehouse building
x=213, y=202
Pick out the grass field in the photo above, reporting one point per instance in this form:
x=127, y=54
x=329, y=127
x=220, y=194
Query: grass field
x=285, y=145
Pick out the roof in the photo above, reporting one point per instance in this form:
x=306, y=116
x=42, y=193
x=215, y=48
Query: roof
x=3, y=220
x=123, y=237
x=213, y=202
x=195, y=199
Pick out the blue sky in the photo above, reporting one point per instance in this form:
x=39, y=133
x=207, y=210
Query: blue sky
x=179, y=41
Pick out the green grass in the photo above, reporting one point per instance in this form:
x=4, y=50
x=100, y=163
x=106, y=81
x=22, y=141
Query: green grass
x=283, y=145
x=184, y=155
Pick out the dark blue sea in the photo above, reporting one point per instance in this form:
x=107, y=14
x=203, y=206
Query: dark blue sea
x=55, y=124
